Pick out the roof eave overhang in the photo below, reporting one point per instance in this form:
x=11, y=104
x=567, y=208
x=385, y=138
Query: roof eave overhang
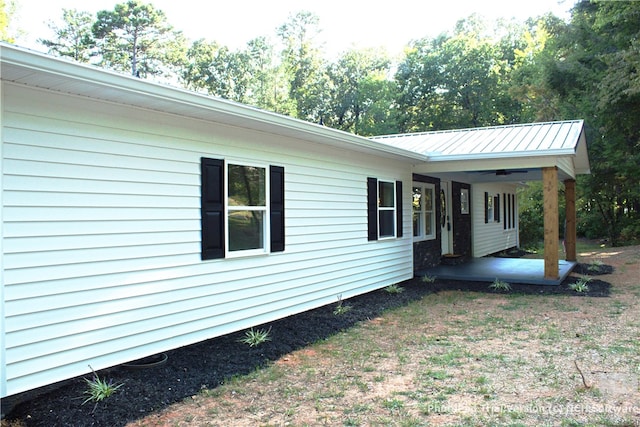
x=582, y=165
x=456, y=164
x=501, y=156
x=22, y=66
x=579, y=160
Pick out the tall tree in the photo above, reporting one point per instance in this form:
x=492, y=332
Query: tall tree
x=137, y=37
x=455, y=81
x=595, y=74
x=303, y=64
x=357, y=81
x=267, y=87
x=217, y=70
x=6, y=12
x=528, y=80
x=75, y=38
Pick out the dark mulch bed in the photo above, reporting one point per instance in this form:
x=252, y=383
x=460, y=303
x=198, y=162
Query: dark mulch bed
x=593, y=269
x=209, y=363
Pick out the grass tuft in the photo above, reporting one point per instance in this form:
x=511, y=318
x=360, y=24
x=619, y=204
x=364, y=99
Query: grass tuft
x=394, y=289
x=581, y=286
x=341, y=308
x=595, y=266
x=255, y=337
x=500, y=285
x=99, y=389
x=428, y=279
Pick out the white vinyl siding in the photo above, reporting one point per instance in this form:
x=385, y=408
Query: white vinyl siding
x=491, y=237
x=101, y=234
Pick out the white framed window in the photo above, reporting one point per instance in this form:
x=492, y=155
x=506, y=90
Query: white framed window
x=488, y=207
x=491, y=208
x=424, y=220
x=242, y=209
x=386, y=209
x=246, y=216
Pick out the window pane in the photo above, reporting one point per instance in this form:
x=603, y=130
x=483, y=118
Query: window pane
x=387, y=224
x=428, y=199
x=246, y=230
x=417, y=199
x=247, y=186
x=386, y=194
x=428, y=224
x=417, y=224
x=464, y=200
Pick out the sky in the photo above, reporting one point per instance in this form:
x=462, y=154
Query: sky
x=344, y=23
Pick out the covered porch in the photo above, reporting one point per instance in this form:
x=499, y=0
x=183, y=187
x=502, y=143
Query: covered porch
x=551, y=153
x=510, y=270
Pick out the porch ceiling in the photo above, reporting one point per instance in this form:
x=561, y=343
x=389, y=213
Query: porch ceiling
x=510, y=175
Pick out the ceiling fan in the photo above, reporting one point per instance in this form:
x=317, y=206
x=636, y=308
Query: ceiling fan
x=504, y=172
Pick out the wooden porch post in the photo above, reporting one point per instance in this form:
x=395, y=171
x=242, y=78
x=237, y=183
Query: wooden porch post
x=570, y=226
x=551, y=233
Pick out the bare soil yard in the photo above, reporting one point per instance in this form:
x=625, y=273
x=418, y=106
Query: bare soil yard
x=427, y=356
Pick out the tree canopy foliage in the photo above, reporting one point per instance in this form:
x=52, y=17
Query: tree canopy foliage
x=7, y=9
x=595, y=74
x=474, y=75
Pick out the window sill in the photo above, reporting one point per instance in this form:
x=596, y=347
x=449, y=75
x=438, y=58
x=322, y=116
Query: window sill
x=246, y=254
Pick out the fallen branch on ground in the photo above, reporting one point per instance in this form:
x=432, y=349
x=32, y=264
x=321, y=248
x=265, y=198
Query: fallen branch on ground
x=584, y=381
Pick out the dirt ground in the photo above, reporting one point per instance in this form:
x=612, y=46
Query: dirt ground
x=431, y=355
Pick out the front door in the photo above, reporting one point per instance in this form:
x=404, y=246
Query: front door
x=446, y=225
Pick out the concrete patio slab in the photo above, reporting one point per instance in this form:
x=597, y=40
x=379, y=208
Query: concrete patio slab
x=510, y=270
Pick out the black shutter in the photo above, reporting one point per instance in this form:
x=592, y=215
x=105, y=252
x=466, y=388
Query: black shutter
x=212, y=207
x=276, y=208
x=513, y=211
x=398, y=208
x=505, y=211
x=486, y=207
x=372, y=208
x=496, y=208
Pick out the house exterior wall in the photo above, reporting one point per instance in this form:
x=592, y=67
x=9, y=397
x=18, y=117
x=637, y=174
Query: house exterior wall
x=491, y=237
x=101, y=234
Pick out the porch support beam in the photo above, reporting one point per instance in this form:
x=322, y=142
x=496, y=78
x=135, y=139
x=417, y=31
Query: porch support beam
x=551, y=226
x=570, y=226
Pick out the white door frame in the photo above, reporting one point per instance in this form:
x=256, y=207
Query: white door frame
x=446, y=219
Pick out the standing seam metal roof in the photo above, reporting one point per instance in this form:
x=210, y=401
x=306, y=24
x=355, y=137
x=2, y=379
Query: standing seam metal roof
x=548, y=138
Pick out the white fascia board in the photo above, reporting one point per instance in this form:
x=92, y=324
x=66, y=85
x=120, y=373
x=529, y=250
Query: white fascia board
x=582, y=165
x=435, y=158
x=36, y=69
x=487, y=163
